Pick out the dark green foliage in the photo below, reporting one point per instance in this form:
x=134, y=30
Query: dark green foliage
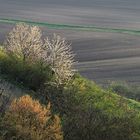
x=126, y=90
x=4, y=101
x=92, y=124
x=32, y=76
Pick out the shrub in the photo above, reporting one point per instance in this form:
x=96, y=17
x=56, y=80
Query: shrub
x=27, y=119
x=30, y=75
x=126, y=90
x=5, y=98
x=4, y=101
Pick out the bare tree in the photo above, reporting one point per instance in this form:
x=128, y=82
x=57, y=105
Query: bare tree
x=24, y=41
x=57, y=52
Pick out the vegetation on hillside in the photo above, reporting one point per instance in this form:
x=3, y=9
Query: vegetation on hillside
x=87, y=111
x=126, y=90
x=26, y=119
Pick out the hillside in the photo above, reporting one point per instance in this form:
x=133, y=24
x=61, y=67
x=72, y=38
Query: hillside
x=77, y=108
x=83, y=92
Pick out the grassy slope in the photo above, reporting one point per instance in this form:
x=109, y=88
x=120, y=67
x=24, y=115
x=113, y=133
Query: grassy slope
x=90, y=93
x=88, y=98
x=104, y=100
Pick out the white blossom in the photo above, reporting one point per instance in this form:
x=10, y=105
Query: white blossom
x=57, y=53
x=24, y=41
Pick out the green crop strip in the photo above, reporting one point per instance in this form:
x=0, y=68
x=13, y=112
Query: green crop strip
x=72, y=27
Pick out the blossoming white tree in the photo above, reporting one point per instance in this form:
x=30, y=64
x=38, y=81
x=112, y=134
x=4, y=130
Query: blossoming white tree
x=24, y=41
x=57, y=52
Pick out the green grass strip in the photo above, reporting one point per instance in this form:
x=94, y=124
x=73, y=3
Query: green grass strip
x=72, y=27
